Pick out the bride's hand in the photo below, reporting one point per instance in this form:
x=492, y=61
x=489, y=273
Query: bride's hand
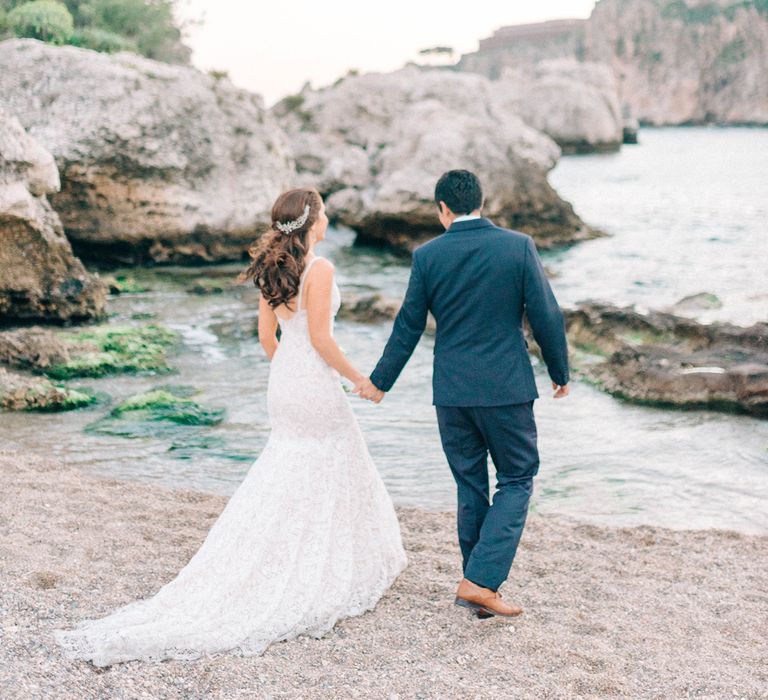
x=358, y=384
x=368, y=390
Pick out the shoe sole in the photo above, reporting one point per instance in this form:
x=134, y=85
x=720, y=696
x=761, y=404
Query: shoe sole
x=476, y=607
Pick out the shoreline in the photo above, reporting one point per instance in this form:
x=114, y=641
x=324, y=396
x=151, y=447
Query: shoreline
x=640, y=612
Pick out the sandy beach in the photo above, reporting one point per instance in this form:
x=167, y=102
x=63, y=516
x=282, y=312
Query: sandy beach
x=609, y=612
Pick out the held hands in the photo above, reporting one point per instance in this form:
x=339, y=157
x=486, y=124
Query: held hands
x=366, y=389
x=560, y=391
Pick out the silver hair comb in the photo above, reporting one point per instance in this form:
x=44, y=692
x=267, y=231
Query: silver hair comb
x=289, y=226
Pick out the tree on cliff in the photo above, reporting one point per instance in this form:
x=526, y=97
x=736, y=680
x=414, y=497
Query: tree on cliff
x=147, y=27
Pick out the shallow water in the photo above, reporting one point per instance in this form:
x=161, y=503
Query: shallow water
x=686, y=212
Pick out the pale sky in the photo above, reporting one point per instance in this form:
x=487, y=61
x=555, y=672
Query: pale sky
x=273, y=47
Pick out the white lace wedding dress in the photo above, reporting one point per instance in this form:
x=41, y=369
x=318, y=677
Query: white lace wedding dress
x=308, y=538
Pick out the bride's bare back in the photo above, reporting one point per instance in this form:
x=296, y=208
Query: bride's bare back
x=318, y=301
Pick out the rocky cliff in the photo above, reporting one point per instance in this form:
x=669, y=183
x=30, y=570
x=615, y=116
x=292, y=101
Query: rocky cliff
x=676, y=61
x=40, y=278
x=576, y=103
x=158, y=163
x=376, y=144
x=163, y=163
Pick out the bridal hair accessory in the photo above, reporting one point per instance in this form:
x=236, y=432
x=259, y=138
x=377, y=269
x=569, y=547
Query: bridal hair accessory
x=289, y=226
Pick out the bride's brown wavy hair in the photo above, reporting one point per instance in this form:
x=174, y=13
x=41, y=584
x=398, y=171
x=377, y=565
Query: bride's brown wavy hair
x=277, y=258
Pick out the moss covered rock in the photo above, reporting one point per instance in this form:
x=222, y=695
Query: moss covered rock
x=206, y=286
x=19, y=392
x=124, y=284
x=102, y=350
x=162, y=411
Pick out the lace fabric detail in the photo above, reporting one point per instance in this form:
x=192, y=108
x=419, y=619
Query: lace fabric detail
x=309, y=537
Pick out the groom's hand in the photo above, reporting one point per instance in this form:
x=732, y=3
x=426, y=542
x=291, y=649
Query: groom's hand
x=560, y=391
x=368, y=390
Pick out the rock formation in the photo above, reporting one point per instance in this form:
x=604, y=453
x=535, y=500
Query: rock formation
x=92, y=351
x=376, y=144
x=22, y=392
x=40, y=278
x=663, y=359
x=158, y=162
x=373, y=308
x=575, y=103
x=33, y=348
x=676, y=61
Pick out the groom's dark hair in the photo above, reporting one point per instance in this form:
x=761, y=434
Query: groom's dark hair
x=460, y=190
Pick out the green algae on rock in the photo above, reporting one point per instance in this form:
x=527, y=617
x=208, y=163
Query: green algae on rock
x=124, y=284
x=110, y=349
x=19, y=392
x=203, y=286
x=159, y=412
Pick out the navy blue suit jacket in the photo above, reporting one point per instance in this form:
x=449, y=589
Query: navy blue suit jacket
x=478, y=280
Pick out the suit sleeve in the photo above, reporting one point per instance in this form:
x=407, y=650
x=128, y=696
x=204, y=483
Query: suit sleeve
x=545, y=316
x=409, y=325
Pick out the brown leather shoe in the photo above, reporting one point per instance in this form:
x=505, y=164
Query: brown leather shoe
x=483, y=600
x=482, y=615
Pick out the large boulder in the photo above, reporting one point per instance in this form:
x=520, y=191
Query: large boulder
x=575, y=103
x=40, y=278
x=158, y=162
x=659, y=358
x=377, y=143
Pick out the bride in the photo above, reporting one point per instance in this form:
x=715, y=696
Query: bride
x=310, y=536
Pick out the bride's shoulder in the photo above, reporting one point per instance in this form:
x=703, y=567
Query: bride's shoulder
x=321, y=271
x=323, y=265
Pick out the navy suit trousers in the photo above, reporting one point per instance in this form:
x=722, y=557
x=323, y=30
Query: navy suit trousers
x=489, y=532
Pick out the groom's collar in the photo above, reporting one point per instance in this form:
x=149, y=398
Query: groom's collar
x=469, y=225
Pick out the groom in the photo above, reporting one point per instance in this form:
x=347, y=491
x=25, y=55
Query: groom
x=478, y=280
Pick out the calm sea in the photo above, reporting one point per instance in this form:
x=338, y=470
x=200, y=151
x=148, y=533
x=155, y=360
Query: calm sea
x=686, y=211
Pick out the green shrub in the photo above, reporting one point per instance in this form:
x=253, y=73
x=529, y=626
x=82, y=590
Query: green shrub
x=147, y=27
x=149, y=23
x=102, y=40
x=292, y=102
x=42, y=19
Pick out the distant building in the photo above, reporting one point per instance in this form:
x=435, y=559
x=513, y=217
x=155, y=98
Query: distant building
x=526, y=43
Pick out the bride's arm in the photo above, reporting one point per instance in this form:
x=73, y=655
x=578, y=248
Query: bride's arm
x=319, y=285
x=267, y=327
